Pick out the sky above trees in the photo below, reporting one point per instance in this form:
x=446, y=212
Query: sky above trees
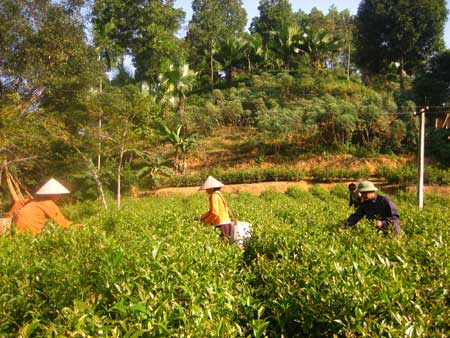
x=251, y=7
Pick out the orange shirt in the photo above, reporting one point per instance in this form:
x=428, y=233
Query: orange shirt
x=34, y=215
x=218, y=211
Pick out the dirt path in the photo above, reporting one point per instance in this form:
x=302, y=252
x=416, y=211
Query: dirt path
x=258, y=188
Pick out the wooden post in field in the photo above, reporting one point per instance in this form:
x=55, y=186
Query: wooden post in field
x=421, y=155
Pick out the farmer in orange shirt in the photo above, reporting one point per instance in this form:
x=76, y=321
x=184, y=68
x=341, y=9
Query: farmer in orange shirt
x=34, y=214
x=218, y=213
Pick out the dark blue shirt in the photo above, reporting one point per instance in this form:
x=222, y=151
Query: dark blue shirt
x=380, y=208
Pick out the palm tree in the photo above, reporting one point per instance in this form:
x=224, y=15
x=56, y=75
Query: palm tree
x=285, y=43
x=254, y=50
x=230, y=54
x=319, y=46
x=175, y=82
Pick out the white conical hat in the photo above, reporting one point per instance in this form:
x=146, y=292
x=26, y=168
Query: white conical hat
x=52, y=187
x=211, y=183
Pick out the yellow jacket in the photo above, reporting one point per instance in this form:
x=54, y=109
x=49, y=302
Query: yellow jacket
x=218, y=210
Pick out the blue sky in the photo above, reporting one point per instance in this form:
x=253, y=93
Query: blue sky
x=251, y=7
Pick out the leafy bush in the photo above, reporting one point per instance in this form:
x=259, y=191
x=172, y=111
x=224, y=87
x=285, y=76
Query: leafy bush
x=319, y=192
x=340, y=190
x=408, y=175
x=296, y=193
x=338, y=174
x=438, y=145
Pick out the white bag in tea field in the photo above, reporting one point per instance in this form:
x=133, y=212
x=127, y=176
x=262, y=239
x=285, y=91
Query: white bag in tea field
x=240, y=233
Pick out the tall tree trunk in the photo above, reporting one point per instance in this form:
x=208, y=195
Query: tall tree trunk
x=211, y=66
x=119, y=174
x=94, y=174
x=348, y=60
x=99, y=156
x=181, y=106
x=402, y=80
x=229, y=75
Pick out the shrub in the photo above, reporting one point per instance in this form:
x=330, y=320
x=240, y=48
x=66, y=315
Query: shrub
x=296, y=193
x=340, y=190
x=269, y=195
x=319, y=192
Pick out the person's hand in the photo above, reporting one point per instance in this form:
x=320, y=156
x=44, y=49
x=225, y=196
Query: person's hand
x=343, y=226
x=379, y=224
x=197, y=218
x=79, y=225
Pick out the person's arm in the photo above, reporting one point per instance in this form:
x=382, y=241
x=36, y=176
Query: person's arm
x=212, y=214
x=355, y=217
x=52, y=211
x=16, y=206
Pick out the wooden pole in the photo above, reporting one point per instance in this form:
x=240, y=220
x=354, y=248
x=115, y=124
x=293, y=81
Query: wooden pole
x=421, y=167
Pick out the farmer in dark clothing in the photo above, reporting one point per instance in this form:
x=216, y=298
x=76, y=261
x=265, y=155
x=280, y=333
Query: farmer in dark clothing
x=374, y=207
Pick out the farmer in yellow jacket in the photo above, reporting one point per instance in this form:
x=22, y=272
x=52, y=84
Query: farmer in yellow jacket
x=218, y=213
x=33, y=215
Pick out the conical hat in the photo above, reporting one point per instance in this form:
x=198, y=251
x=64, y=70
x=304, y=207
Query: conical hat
x=52, y=187
x=211, y=183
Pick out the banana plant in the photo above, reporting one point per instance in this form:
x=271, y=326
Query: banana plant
x=182, y=143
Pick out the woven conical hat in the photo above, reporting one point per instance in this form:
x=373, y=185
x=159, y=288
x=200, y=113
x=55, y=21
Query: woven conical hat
x=52, y=187
x=211, y=183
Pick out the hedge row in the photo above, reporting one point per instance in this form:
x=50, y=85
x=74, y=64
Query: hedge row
x=406, y=175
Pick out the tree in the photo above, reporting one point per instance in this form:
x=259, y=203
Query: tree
x=432, y=85
x=175, y=82
x=46, y=69
x=213, y=21
x=44, y=55
x=128, y=116
x=285, y=43
x=339, y=27
x=231, y=54
x=24, y=143
x=182, y=143
x=403, y=31
x=319, y=46
x=145, y=29
x=273, y=14
x=254, y=51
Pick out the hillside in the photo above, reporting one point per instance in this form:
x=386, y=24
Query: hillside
x=233, y=148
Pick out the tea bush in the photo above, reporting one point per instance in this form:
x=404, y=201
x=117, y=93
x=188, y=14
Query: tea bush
x=407, y=175
x=148, y=269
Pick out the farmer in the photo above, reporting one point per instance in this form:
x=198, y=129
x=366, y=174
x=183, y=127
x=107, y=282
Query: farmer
x=355, y=198
x=375, y=207
x=218, y=213
x=33, y=215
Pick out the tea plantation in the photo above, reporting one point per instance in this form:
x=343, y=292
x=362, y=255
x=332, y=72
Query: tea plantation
x=150, y=270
